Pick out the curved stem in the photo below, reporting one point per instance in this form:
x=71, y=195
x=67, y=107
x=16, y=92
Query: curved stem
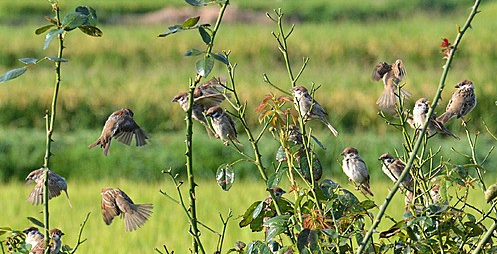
x=419, y=140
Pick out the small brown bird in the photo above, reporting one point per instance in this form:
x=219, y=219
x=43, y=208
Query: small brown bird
x=56, y=184
x=55, y=243
x=115, y=202
x=393, y=168
x=33, y=236
x=277, y=192
x=223, y=124
x=420, y=112
x=197, y=108
x=310, y=108
x=355, y=168
x=120, y=125
x=462, y=102
x=210, y=94
x=392, y=75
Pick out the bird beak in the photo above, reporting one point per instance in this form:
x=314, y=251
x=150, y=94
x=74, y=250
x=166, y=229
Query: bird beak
x=342, y=154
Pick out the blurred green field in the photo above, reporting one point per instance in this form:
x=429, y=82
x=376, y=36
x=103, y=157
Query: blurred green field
x=168, y=224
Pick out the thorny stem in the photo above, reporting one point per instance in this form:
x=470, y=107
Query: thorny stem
x=419, y=140
x=50, y=123
x=192, y=211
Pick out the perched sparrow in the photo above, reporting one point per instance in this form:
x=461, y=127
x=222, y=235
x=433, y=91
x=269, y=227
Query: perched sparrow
x=391, y=75
x=277, y=192
x=197, y=108
x=115, y=202
x=55, y=243
x=419, y=117
x=462, y=102
x=56, y=184
x=393, y=168
x=223, y=124
x=120, y=125
x=294, y=135
x=355, y=168
x=33, y=236
x=310, y=107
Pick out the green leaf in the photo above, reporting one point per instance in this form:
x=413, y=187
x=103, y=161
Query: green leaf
x=206, y=37
x=172, y=30
x=12, y=74
x=307, y=239
x=91, y=30
x=318, y=142
x=191, y=22
x=195, y=2
x=491, y=193
x=36, y=222
x=258, y=210
x=28, y=60
x=257, y=247
x=90, y=13
x=225, y=176
x=194, y=52
x=277, y=225
x=220, y=57
x=50, y=36
x=43, y=29
x=57, y=59
x=74, y=20
x=368, y=204
x=247, y=216
x=275, y=178
x=4, y=230
x=317, y=169
x=204, y=66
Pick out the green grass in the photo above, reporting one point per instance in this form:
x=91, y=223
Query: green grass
x=168, y=224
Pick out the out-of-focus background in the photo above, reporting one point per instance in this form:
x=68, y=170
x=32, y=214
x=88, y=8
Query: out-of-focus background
x=131, y=67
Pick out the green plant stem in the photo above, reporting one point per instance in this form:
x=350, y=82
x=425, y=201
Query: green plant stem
x=189, y=145
x=419, y=140
x=81, y=227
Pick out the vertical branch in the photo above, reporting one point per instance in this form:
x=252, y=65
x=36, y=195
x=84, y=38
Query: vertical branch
x=50, y=123
x=189, y=143
x=420, y=138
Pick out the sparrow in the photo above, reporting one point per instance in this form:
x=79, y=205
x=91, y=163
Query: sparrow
x=434, y=126
x=462, y=102
x=210, y=93
x=277, y=192
x=393, y=168
x=355, y=168
x=33, y=236
x=310, y=107
x=55, y=243
x=198, y=110
x=120, y=125
x=223, y=124
x=115, y=202
x=56, y=184
x=392, y=75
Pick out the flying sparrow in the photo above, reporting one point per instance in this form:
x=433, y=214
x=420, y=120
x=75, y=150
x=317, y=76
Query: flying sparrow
x=115, y=202
x=55, y=243
x=355, y=168
x=33, y=236
x=223, y=124
x=392, y=75
x=56, y=184
x=120, y=125
x=462, y=102
x=434, y=126
x=310, y=107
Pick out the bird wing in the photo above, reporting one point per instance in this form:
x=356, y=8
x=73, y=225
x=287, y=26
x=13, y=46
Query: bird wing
x=399, y=71
x=379, y=71
x=125, y=128
x=109, y=207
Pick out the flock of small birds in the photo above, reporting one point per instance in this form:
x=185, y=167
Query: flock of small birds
x=207, y=99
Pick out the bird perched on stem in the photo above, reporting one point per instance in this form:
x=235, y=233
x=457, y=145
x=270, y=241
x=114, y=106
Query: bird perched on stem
x=55, y=243
x=115, y=202
x=393, y=168
x=33, y=236
x=120, y=125
x=223, y=124
x=355, y=168
x=392, y=75
x=462, y=102
x=420, y=113
x=56, y=184
x=310, y=108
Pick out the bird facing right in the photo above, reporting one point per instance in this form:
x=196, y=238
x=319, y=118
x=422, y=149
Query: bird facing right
x=115, y=202
x=310, y=108
x=120, y=125
x=462, y=102
x=355, y=168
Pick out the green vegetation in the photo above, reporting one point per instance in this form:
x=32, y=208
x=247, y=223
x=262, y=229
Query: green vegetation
x=167, y=223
